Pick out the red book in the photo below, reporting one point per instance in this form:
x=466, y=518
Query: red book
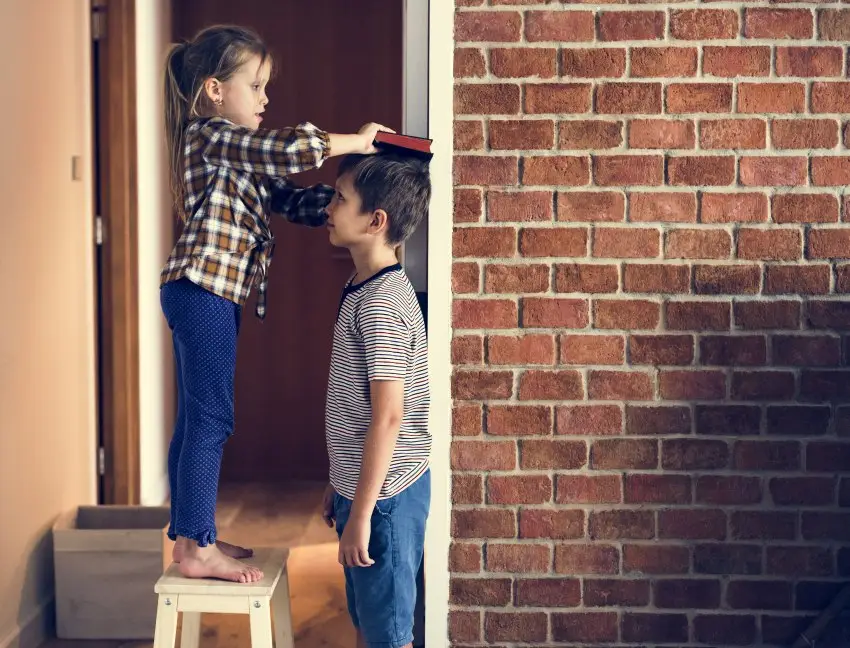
x=419, y=147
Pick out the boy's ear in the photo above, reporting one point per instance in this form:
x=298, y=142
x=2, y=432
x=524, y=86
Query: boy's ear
x=380, y=222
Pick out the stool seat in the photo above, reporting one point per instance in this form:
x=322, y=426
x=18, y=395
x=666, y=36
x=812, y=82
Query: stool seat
x=262, y=601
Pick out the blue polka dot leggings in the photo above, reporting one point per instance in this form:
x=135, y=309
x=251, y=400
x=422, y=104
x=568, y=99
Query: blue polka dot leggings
x=204, y=327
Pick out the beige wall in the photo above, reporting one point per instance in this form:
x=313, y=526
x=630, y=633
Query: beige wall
x=47, y=394
x=156, y=378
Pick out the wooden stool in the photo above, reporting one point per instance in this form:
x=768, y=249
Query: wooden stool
x=261, y=601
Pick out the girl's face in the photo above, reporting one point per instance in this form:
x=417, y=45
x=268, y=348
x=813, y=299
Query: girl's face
x=242, y=98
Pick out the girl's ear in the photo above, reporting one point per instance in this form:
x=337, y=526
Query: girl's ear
x=212, y=88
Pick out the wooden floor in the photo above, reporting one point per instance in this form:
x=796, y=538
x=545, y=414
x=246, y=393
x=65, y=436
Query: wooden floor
x=286, y=516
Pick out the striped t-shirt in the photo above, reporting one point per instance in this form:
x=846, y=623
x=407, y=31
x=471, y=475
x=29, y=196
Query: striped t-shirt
x=379, y=335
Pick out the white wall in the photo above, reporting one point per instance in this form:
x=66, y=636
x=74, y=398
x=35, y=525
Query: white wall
x=47, y=354
x=156, y=366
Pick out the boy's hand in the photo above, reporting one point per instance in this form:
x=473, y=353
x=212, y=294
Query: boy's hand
x=328, y=506
x=368, y=133
x=354, y=544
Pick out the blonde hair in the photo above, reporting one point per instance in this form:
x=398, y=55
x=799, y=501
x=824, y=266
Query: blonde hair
x=215, y=52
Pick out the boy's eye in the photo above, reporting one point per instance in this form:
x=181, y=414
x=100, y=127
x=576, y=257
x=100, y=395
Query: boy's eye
x=339, y=196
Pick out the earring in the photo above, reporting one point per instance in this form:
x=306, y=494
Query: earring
x=218, y=101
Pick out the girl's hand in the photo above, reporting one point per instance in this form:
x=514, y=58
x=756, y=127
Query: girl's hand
x=354, y=544
x=368, y=133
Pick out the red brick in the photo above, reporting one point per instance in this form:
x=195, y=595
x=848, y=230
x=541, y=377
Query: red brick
x=477, y=591
x=828, y=314
x=522, y=134
x=652, y=628
x=805, y=208
x=516, y=278
x=539, y=312
x=661, y=349
x=778, y=23
x=663, y=207
x=809, y=61
x=805, y=133
x=725, y=629
x=829, y=244
x=727, y=279
x=484, y=170
x=699, y=97
x=799, y=561
x=770, y=245
x=515, y=626
x=484, y=523
x=771, y=98
x=484, y=455
x=586, y=559
x=587, y=627
x=768, y=315
x=692, y=385
x=652, y=420
x=701, y=170
x=550, y=385
x=466, y=420
x=727, y=559
x=773, y=171
x=468, y=135
x=728, y=420
x=655, y=559
x=591, y=206
x=728, y=491
x=519, y=206
x=614, y=98
x=733, y=134
x=797, y=279
x=553, y=241
x=824, y=385
x=763, y=525
x=593, y=349
x=759, y=595
x=834, y=24
x=806, y=350
x=726, y=350
x=803, y=491
x=560, y=26
x=728, y=61
x=557, y=98
x=551, y=524
x=521, y=349
x=626, y=314
x=763, y=385
x=692, y=524
x=467, y=205
x=663, y=62
x=826, y=526
x=489, y=313
x=590, y=134
x=661, y=134
x=698, y=593
x=624, y=454
x=586, y=278
x=784, y=630
x=467, y=489
x=469, y=62
x=767, y=455
x=464, y=558
x=556, y=170
x=842, y=279
x=484, y=242
x=656, y=278
x=553, y=455
x=548, y=592
x=518, y=420
x=618, y=170
x=698, y=244
x=830, y=97
x=694, y=454
x=464, y=626
x=589, y=420
x=486, y=98
x=525, y=489
x=830, y=171
x=487, y=26
x=517, y=62
x=467, y=349
x=631, y=25
x=465, y=278
x=703, y=24
x=593, y=63
x=583, y=489
x=794, y=420
x=698, y=316
x=657, y=489
x=626, y=243
x=475, y=385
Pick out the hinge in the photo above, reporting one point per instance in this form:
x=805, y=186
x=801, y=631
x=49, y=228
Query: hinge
x=98, y=230
x=101, y=461
x=98, y=23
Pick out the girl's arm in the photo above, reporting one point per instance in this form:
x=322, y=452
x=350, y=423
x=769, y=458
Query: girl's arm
x=301, y=206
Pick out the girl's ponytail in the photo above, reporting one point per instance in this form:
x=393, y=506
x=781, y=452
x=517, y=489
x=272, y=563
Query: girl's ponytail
x=176, y=119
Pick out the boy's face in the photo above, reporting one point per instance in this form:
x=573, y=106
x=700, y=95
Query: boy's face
x=349, y=226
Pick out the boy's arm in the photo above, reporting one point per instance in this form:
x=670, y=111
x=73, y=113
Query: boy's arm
x=303, y=206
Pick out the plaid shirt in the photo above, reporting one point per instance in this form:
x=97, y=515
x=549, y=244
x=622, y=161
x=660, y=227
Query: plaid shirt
x=234, y=177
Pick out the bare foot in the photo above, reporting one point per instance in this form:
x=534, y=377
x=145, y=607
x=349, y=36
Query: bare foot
x=234, y=551
x=210, y=562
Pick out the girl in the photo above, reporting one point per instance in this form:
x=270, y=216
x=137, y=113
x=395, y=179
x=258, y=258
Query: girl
x=227, y=174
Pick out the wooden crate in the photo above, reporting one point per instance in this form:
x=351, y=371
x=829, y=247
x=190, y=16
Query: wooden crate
x=107, y=560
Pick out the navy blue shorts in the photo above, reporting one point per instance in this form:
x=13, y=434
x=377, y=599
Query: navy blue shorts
x=382, y=597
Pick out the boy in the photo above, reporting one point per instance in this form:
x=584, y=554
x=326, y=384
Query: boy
x=377, y=405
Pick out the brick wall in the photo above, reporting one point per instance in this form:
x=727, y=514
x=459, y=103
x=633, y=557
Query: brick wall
x=650, y=367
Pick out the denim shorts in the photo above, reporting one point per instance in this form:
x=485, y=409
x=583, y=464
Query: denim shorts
x=382, y=597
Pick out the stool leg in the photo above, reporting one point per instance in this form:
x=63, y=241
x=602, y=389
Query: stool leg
x=165, y=633
x=259, y=611
x=190, y=635
x=283, y=636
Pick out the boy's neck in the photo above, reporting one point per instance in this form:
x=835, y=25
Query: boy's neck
x=371, y=261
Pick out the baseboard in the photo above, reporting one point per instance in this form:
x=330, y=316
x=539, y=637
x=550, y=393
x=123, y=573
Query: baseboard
x=35, y=629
